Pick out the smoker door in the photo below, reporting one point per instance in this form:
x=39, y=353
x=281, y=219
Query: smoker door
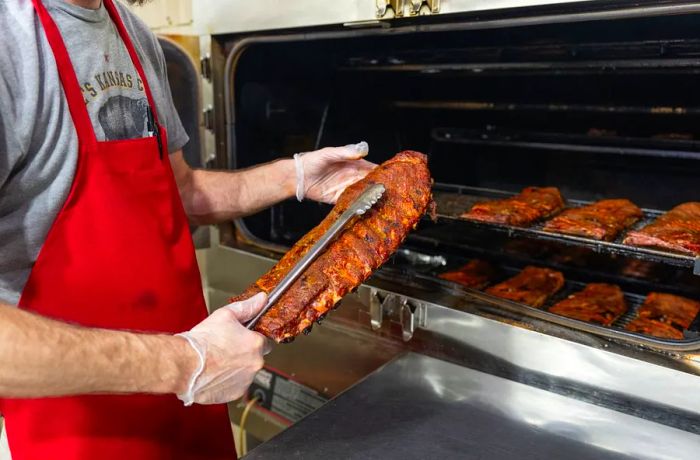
x=184, y=80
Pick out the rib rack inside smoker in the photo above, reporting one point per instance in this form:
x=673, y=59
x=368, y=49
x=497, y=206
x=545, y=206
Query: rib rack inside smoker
x=597, y=303
x=602, y=220
x=532, y=286
x=531, y=205
x=360, y=249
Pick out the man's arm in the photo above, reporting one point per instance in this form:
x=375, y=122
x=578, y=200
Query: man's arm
x=42, y=357
x=215, y=196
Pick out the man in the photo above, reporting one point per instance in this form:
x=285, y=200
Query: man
x=102, y=319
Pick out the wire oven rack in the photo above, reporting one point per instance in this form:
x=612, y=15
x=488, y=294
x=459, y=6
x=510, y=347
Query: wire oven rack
x=453, y=200
x=429, y=266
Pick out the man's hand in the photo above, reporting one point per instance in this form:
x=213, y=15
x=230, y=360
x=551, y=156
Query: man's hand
x=230, y=354
x=41, y=357
x=324, y=174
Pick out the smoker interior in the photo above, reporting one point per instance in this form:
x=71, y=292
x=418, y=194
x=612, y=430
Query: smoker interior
x=603, y=109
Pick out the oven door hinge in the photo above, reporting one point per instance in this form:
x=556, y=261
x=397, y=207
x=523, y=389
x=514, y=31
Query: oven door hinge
x=205, y=66
x=208, y=118
x=397, y=8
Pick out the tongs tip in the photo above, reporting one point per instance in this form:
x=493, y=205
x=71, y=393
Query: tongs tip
x=370, y=197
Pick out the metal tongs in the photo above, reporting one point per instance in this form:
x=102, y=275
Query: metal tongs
x=361, y=205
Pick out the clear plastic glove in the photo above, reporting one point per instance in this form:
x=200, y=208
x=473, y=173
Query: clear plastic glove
x=230, y=354
x=322, y=175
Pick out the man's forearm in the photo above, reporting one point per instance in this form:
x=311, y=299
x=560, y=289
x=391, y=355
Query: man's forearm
x=42, y=357
x=215, y=196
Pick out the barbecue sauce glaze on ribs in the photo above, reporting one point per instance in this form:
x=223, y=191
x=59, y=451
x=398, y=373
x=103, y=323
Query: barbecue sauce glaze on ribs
x=602, y=220
x=531, y=205
x=532, y=286
x=665, y=315
x=597, y=303
x=674, y=310
x=677, y=230
x=476, y=274
x=655, y=328
x=360, y=249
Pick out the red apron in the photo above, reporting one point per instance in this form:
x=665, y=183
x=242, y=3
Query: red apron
x=119, y=255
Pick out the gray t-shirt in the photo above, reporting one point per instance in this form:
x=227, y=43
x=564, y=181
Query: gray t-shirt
x=38, y=143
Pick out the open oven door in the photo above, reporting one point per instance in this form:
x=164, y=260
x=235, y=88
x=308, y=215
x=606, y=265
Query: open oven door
x=184, y=80
x=184, y=77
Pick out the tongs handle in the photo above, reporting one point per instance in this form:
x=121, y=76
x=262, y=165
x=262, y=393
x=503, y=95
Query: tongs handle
x=361, y=205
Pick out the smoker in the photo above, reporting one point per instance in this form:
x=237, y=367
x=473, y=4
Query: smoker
x=596, y=98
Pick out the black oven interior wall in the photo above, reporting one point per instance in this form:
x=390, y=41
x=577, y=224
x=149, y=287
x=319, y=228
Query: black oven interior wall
x=604, y=109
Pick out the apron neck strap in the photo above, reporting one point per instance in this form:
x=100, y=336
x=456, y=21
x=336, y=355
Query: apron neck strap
x=69, y=81
x=114, y=14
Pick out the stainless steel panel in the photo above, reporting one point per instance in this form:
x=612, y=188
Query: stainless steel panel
x=329, y=360
x=421, y=407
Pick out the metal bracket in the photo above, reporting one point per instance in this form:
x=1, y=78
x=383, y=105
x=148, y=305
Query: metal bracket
x=208, y=117
x=434, y=6
x=413, y=316
x=696, y=268
x=376, y=310
x=205, y=66
x=384, y=5
x=414, y=6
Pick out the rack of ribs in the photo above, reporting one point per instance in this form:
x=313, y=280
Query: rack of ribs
x=602, y=220
x=678, y=230
x=532, y=286
x=596, y=303
x=655, y=328
x=476, y=274
x=673, y=310
x=531, y=205
x=361, y=247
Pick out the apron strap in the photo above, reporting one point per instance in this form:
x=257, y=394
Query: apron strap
x=114, y=14
x=69, y=81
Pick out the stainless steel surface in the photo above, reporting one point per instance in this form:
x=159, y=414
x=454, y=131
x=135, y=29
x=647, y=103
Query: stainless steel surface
x=330, y=360
x=421, y=407
x=360, y=206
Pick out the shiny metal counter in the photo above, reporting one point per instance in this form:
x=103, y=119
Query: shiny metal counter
x=421, y=407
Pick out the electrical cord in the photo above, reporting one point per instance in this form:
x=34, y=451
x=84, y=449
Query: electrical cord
x=242, y=441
